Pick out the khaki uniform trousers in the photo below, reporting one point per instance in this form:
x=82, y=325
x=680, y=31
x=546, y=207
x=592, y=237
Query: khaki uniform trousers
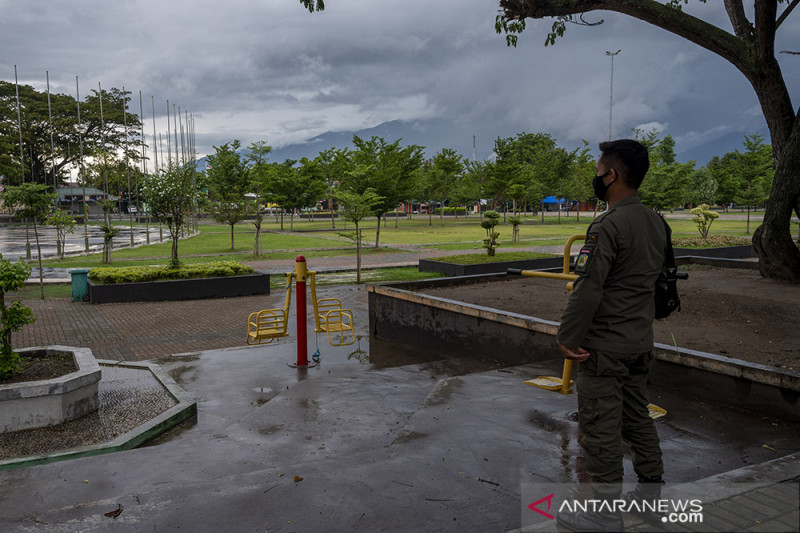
x=612, y=407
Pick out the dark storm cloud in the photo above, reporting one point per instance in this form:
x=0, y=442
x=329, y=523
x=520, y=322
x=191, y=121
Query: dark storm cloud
x=269, y=70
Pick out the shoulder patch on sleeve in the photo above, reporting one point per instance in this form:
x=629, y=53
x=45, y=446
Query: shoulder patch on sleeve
x=584, y=258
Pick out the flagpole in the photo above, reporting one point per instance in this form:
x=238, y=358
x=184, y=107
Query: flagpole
x=22, y=165
x=80, y=170
x=155, y=141
x=125, y=148
x=143, y=171
x=52, y=146
x=160, y=225
x=169, y=148
x=175, y=125
x=183, y=146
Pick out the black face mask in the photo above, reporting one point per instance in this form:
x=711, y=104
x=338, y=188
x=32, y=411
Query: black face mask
x=599, y=187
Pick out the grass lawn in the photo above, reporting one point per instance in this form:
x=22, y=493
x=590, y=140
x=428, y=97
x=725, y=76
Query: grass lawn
x=213, y=241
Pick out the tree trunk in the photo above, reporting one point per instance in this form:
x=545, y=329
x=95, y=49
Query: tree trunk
x=778, y=256
x=378, y=233
x=257, y=242
x=747, y=231
x=39, y=255
x=232, y=247
x=174, y=253
x=333, y=220
x=358, y=254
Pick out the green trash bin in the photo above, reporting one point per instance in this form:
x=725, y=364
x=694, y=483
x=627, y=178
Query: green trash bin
x=80, y=286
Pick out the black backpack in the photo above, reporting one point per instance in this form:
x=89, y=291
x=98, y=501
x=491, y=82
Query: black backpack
x=666, y=294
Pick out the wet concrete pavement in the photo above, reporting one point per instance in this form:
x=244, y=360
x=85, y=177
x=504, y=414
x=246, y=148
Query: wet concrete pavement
x=377, y=438
x=14, y=240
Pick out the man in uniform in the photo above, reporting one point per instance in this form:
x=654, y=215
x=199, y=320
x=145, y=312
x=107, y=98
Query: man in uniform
x=607, y=328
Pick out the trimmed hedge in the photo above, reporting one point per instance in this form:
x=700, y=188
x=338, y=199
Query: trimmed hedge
x=109, y=275
x=713, y=241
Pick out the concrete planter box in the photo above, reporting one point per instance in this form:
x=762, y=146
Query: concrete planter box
x=182, y=289
x=53, y=401
x=698, y=256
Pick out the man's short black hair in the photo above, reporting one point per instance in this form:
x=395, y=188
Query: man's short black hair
x=628, y=157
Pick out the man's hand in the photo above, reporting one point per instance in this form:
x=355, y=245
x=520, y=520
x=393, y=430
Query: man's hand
x=579, y=354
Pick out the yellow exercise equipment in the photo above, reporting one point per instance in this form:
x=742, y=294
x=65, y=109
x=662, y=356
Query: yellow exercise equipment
x=564, y=383
x=265, y=326
x=331, y=318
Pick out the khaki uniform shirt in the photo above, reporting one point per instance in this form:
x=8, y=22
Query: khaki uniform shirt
x=611, y=307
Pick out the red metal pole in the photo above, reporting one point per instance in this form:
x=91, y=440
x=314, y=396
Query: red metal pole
x=301, y=273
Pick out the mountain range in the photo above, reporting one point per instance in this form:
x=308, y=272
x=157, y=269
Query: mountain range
x=438, y=133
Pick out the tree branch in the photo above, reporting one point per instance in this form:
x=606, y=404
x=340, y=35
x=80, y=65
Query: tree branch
x=710, y=37
x=741, y=26
x=785, y=13
x=766, y=11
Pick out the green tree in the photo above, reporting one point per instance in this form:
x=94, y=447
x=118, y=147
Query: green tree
x=756, y=174
x=257, y=156
x=307, y=187
x=170, y=195
x=470, y=188
x=392, y=173
x=667, y=183
x=13, y=316
x=64, y=224
x=723, y=170
x=703, y=187
x=108, y=229
x=748, y=46
x=577, y=184
x=528, y=167
x=41, y=163
x=31, y=201
x=280, y=181
x=442, y=177
x=228, y=183
x=335, y=163
x=355, y=208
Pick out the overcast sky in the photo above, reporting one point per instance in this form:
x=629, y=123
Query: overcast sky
x=268, y=70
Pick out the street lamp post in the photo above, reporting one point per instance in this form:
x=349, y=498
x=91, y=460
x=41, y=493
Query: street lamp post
x=611, y=97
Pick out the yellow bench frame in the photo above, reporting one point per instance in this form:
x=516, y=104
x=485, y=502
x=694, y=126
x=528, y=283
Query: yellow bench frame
x=266, y=325
x=330, y=317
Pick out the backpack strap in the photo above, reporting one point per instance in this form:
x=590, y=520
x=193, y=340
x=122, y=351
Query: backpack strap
x=671, y=269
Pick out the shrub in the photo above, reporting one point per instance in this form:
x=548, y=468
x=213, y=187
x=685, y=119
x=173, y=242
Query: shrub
x=14, y=316
x=490, y=220
x=108, y=275
x=704, y=217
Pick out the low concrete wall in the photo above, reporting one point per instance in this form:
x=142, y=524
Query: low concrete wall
x=183, y=289
x=452, y=269
x=723, y=252
x=682, y=255
x=456, y=329
x=50, y=402
x=402, y=313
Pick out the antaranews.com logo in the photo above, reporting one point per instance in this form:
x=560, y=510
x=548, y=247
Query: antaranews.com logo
x=695, y=507
x=671, y=511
